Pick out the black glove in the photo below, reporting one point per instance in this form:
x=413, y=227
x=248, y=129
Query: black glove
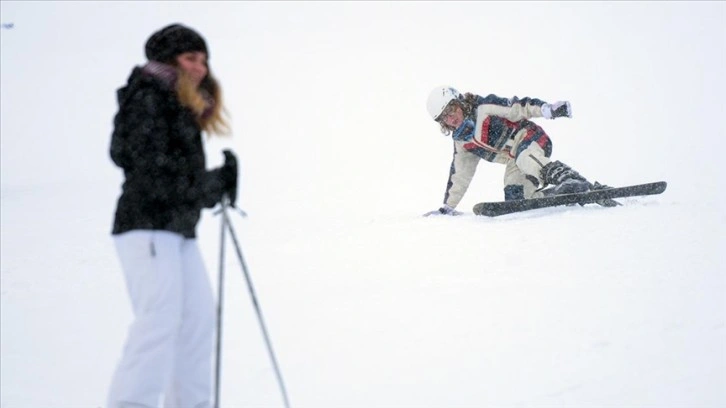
x=228, y=174
x=561, y=109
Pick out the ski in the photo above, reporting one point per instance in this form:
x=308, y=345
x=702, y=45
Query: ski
x=494, y=209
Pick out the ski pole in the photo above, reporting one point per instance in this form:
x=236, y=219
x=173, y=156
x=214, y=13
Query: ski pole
x=257, y=306
x=220, y=303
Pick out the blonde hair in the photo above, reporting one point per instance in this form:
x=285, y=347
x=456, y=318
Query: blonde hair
x=446, y=130
x=205, y=101
x=467, y=107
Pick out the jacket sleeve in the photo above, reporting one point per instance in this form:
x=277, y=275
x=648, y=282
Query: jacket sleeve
x=513, y=109
x=463, y=167
x=140, y=144
x=212, y=187
x=140, y=138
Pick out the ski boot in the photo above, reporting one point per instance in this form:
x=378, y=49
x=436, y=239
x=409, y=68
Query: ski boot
x=564, y=179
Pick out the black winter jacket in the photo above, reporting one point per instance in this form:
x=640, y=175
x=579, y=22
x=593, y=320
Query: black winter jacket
x=158, y=144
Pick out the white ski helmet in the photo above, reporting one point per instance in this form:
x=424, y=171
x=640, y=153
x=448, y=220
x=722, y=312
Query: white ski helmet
x=439, y=98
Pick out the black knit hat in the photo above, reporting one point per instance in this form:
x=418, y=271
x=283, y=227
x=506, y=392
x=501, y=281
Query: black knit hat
x=167, y=43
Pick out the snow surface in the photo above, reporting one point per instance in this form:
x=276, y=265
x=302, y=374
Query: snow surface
x=368, y=304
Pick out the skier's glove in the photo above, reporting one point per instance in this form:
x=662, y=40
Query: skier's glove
x=228, y=174
x=445, y=210
x=557, y=110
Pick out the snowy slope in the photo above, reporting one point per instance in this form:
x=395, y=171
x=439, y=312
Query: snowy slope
x=368, y=304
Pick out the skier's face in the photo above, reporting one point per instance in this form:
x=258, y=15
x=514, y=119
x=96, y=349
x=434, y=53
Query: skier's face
x=193, y=64
x=453, y=116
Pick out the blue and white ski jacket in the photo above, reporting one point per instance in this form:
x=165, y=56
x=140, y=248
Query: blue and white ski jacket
x=497, y=131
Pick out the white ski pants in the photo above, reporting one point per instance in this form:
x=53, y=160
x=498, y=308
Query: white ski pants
x=525, y=169
x=169, y=349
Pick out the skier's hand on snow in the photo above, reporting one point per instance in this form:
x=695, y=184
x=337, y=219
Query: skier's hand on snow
x=557, y=110
x=444, y=210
